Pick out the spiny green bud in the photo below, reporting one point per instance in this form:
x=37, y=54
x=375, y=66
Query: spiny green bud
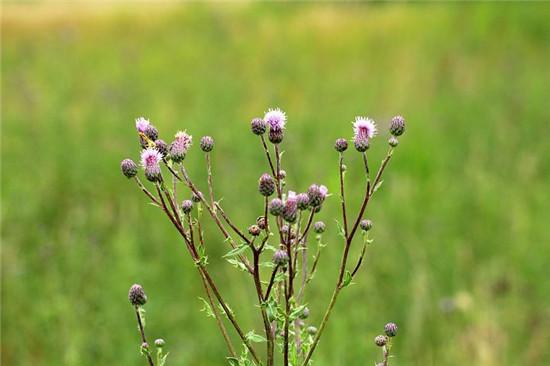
x=129, y=168
x=397, y=125
x=365, y=225
x=160, y=342
x=187, y=206
x=319, y=227
x=207, y=143
x=390, y=329
x=381, y=340
x=136, y=295
x=254, y=230
x=393, y=141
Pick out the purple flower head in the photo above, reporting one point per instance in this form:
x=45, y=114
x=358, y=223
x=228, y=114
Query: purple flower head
x=280, y=257
x=303, y=201
x=142, y=124
x=317, y=195
x=291, y=207
x=364, y=129
x=276, y=207
x=179, y=147
x=129, y=168
x=276, y=119
x=136, y=295
x=150, y=161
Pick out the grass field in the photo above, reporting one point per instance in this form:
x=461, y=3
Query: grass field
x=461, y=255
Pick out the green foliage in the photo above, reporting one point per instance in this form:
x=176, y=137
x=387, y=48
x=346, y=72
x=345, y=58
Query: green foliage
x=461, y=254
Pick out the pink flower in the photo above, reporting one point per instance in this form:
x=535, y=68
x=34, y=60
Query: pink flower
x=291, y=206
x=179, y=147
x=276, y=119
x=364, y=128
x=142, y=124
x=150, y=160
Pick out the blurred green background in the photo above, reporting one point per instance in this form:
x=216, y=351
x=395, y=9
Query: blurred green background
x=461, y=255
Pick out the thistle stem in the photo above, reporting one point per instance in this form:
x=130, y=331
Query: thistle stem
x=142, y=333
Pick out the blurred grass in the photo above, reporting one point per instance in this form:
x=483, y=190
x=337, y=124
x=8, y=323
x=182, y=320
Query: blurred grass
x=461, y=220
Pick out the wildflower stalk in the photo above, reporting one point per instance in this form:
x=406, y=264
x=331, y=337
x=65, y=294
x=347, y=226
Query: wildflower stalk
x=210, y=185
x=142, y=333
x=349, y=238
x=204, y=272
x=342, y=196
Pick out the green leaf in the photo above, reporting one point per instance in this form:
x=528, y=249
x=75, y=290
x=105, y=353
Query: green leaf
x=237, y=264
x=253, y=337
x=233, y=361
x=378, y=185
x=207, y=309
x=347, y=279
x=236, y=251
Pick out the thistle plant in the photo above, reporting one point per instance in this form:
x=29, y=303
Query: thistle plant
x=279, y=251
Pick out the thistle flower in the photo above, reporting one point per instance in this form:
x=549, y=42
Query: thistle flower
x=341, y=145
x=303, y=201
x=365, y=225
x=179, y=147
x=258, y=126
x=207, y=143
x=150, y=160
x=254, y=230
x=319, y=227
x=136, y=295
x=291, y=207
x=364, y=129
x=390, y=329
x=129, y=168
x=266, y=185
x=397, y=125
x=280, y=257
x=276, y=119
x=187, y=206
x=159, y=343
x=381, y=340
x=317, y=195
x=161, y=146
x=142, y=124
x=276, y=207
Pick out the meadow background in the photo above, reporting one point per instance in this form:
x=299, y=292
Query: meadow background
x=461, y=255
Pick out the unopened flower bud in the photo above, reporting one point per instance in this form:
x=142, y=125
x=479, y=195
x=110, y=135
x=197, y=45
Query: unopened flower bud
x=304, y=314
x=282, y=174
x=311, y=330
x=341, y=145
x=136, y=295
x=276, y=135
x=151, y=132
x=162, y=147
x=260, y=221
x=266, y=185
x=280, y=257
x=291, y=207
x=343, y=167
x=187, y=206
x=196, y=197
x=319, y=227
x=207, y=143
x=365, y=225
x=397, y=125
x=254, y=230
x=390, y=329
x=303, y=201
x=160, y=342
x=276, y=207
x=129, y=168
x=361, y=144
x=258, y=126
x=145, y=345
x=393, y=141
x=381, y=340
x=317, y=195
